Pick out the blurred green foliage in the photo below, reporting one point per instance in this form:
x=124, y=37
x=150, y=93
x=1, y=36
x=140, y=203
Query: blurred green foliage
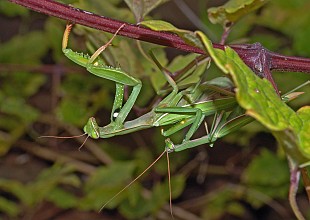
x=41, y=92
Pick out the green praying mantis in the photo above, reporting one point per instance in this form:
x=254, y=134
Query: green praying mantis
x=177, y=110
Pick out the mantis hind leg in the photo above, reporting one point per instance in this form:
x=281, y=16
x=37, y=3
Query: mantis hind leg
x=196, y=120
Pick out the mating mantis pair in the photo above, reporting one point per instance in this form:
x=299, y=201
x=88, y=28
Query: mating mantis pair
x=179, y=109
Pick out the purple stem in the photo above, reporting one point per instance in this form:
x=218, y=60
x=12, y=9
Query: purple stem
x=255, y=56
x=294, y=181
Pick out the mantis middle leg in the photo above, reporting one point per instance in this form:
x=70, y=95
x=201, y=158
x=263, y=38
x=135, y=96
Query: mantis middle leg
x=196, y=119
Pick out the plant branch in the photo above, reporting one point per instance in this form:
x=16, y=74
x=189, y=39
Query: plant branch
x=255, y=56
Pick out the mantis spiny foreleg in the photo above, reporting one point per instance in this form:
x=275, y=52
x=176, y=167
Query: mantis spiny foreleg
x=98, y=68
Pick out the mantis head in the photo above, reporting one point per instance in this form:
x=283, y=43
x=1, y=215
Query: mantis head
x=169, y=145
x=91, y=128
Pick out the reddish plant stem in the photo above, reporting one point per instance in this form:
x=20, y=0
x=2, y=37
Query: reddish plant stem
x=255, y=56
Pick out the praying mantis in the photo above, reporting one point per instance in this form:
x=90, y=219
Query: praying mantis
x=179, y=108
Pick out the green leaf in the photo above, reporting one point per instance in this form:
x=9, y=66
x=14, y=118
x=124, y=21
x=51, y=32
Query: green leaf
x=158, y=198
x=116, y=173
x=12, y=106
x=141, y=8
x=233, y=10
x=222, y=202
x=159, y=25
x=291, y=18
x=9, y=207
x=62, y=198
x=258, y=98
x=17, y=189
x=137, y=209
x=10, y=9
x=267, y=169
x=28, y=83
x=48, y=180
x=53, y=32
x=178, y=183
x=264, y=174
x=304, y=130
x=20, y=49
x=97, y=196
x=105, y=183
x=108, y=8
x=73, y=111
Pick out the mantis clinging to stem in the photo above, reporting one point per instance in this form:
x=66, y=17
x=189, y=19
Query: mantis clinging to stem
x=179, y=109
x=173, y=109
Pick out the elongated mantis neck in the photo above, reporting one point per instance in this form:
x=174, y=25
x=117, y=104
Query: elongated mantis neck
x=141, y=123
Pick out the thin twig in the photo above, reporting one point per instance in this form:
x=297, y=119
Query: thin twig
x=50, y=155
x=249, y=53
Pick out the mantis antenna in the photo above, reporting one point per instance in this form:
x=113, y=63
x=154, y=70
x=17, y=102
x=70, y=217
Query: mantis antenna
x=129, y=184
x=169, y=183
x=68, y=137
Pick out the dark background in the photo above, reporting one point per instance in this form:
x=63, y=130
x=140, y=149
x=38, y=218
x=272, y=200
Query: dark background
x=244, y=176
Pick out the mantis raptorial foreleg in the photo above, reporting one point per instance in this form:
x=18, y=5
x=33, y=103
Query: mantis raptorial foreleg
x=98, y=68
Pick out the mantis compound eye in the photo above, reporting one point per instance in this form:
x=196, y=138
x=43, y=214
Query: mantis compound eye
x=169, y=145
x=91, y=128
